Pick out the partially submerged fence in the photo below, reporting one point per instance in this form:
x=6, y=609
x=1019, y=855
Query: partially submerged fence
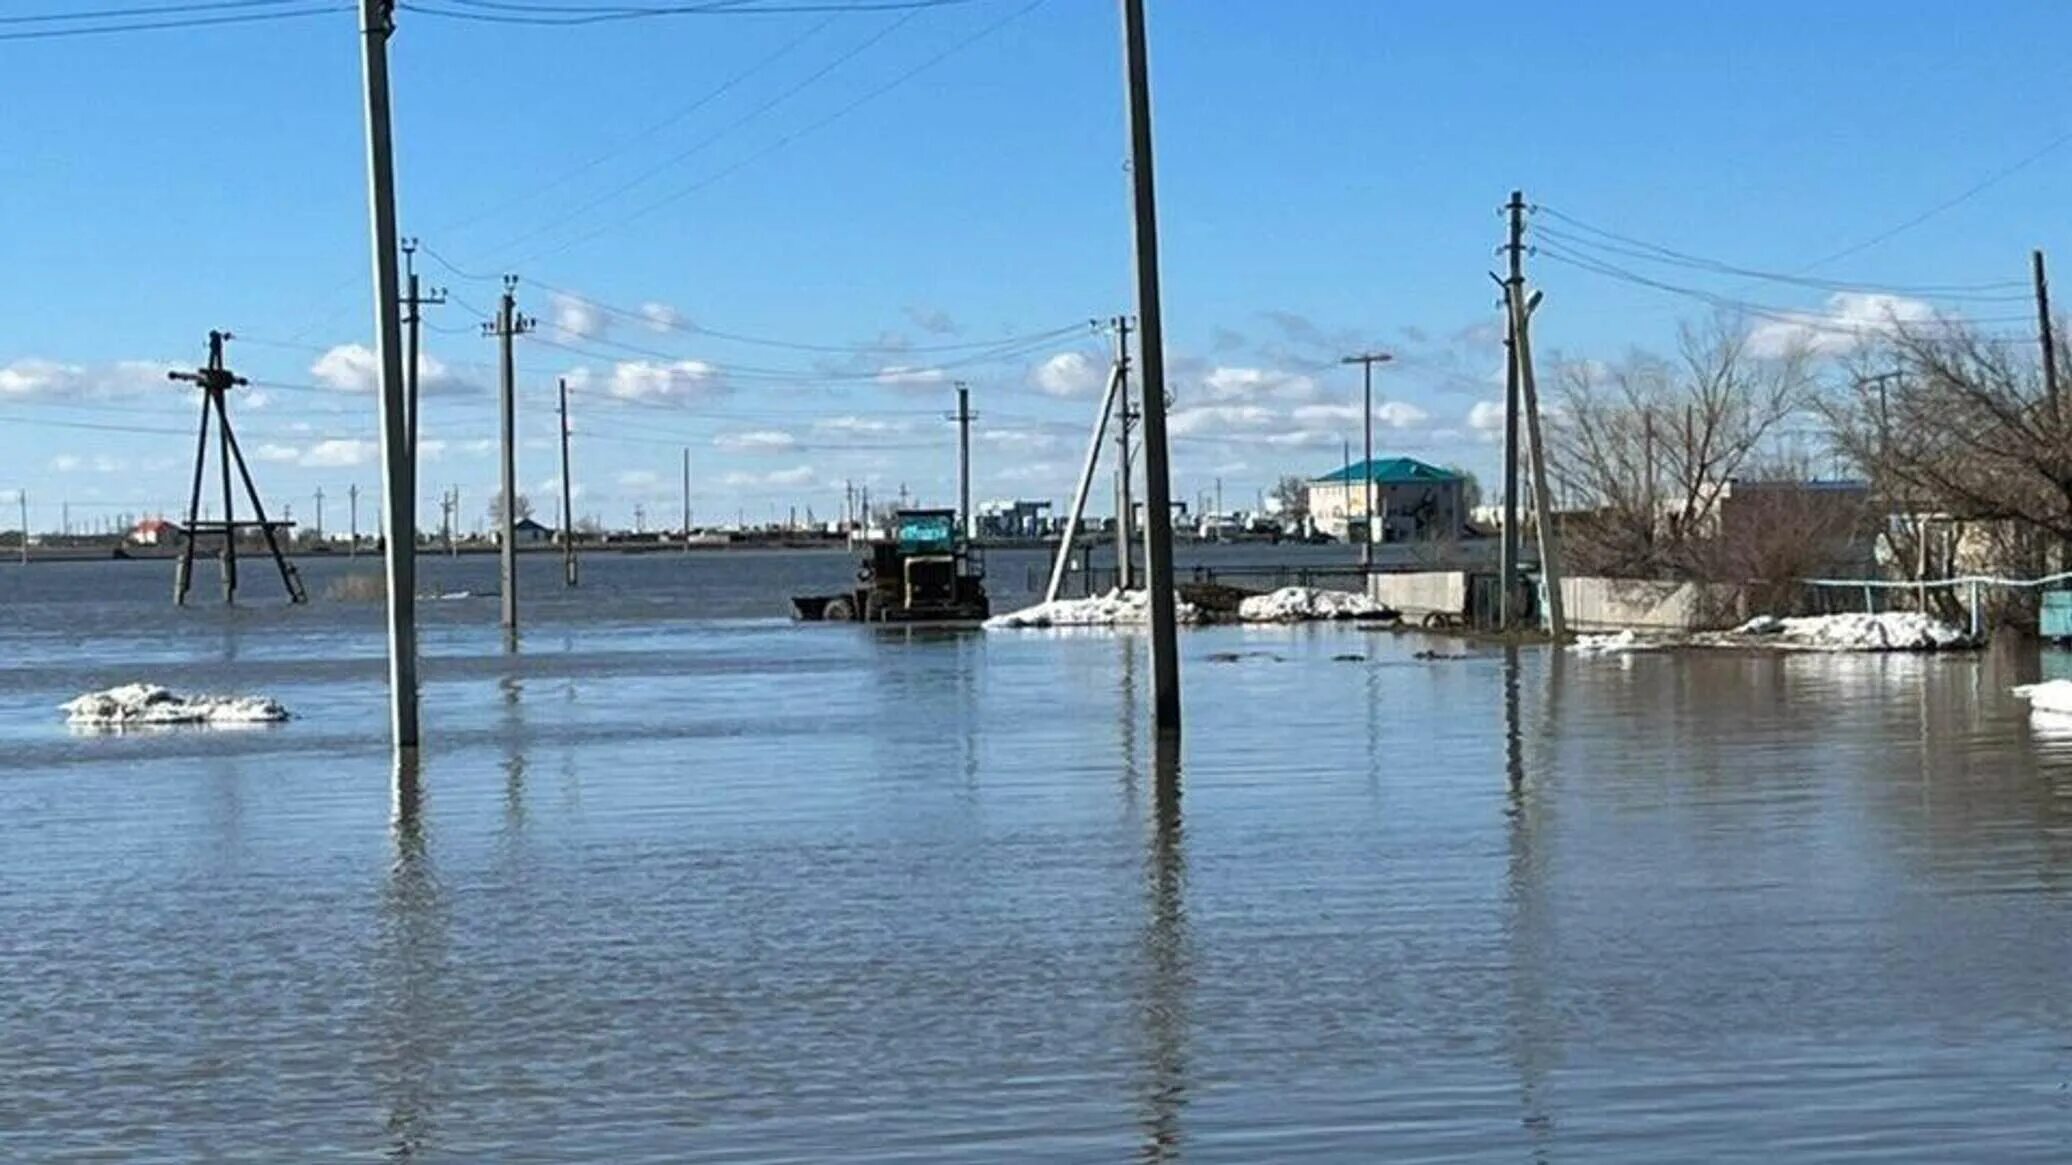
x=1973, y=587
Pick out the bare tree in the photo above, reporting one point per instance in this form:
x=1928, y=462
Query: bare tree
x=496, y=508
x=1292, y=494
x=1649, y=447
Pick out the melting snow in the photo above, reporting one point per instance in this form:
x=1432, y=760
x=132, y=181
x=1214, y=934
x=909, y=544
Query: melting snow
x=1889, y=631
x=2053, y=696
x=149, y=704
x=1116, y=608
x=1617, y=643
x=1303, y=604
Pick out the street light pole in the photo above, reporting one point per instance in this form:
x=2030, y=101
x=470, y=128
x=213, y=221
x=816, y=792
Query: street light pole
x=1367, y=361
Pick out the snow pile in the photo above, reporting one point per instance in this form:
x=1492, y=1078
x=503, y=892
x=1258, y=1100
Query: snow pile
x=1617, y=643
x=1304, y=604
x=1889, y=631
x=148, y=704
x=2053, y=696
x=1116, y=608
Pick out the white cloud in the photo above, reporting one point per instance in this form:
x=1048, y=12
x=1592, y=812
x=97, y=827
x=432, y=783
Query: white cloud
x=1234, y=384
x=796, y=476
x=579, y=319
x=66, y=462
x=1069, y=374
x=354, y=368
x=33, y=378
x=338, y=453
x=653, y=380
x=1850, y=318
x=1486, y=419
x=1211, y=420
x=661, y=317
x=756, y=441
x=1020, y=439
x=640, y=480
x=1394, y=414
x=862, y=426
x=902, y=376
x=272, y=451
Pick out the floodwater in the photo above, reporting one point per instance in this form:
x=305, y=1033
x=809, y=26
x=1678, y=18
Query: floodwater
x=678, y=881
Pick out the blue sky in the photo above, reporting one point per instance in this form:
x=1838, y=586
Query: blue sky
x=1330, y=172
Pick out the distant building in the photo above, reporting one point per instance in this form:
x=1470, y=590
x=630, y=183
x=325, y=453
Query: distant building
x=154, y=532
x=1413, y=501
x=1014, y=520
x=526, y=532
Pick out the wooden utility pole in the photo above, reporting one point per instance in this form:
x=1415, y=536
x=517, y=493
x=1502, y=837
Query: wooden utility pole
x=1507, y=554
x=1520, y=308
x=508, y=326
x=964, y=418
x=399, y=470
x=1125, y=420
x=413, y=302
x=569, y=575
x=215, y=382
x=1158, y=518
x=1366, y=361
x=2050, y=357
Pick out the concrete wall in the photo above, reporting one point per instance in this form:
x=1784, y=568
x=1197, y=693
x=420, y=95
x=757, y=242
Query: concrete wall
x=1609, y=604
x=1420, y=593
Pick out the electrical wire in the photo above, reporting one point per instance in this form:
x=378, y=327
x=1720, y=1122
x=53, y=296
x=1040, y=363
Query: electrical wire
x=562, y=16
x=168, y=24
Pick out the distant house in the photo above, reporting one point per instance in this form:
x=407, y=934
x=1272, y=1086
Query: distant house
x=526, y=532
x=1413, y=501
x=154, y=532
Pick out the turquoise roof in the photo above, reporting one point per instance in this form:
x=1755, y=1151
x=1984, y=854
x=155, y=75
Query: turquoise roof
x=1392, y=471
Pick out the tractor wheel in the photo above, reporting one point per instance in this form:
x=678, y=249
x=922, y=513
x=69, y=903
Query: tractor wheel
x=840, y=610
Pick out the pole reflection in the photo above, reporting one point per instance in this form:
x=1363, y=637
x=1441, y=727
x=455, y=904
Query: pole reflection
x=1533, y=1047
x=410, y=972
x=513, y=689
x=1168, y=969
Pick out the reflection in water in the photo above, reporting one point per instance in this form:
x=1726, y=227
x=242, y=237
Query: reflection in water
x=410, y=972
x=513, y=690
x=1167, y=965
x=1130, y=768
x=1533, y=1047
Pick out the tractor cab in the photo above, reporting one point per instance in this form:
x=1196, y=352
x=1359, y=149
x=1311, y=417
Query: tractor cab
x=923, y=571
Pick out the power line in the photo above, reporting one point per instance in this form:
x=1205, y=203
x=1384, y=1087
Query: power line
x=805, y=131
x=566, y=15
x=162, y=25
x=143, y=10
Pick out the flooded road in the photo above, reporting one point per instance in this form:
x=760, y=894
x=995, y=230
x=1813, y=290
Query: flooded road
x=677, y=882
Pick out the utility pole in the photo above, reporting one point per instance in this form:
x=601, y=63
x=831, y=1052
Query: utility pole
x=21, y=497
x=216, y=381
x=399, y=469
x=320, y=514
x=1366, y=361
x=508, y=326
x=413, y=301
x=1125, y=506
x=1507, y=567
x=568, y=513
x=1158, y=519
x=687, y=499
x=2050, y=359
x=1520, y=309
x=964, y=418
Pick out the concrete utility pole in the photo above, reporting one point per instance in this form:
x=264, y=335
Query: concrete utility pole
x=508, y=326
x=1125, y=506
x=1507, y=567
x=413, y=301
x=2050, y=358
x=320, y=514
x=399, y=471
x=687, y=499
x=569, y=576
x=1086, y=481
x=21, y=497
x=963, y=417
x=1158, y=518
x=352, y=509
x=1366, y=361
x=1521, y=308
